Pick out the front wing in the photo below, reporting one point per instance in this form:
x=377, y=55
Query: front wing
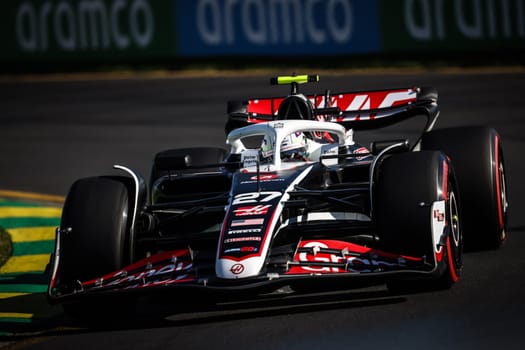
x=313, y=260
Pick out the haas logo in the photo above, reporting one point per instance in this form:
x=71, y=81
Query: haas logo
x=237, y=269
x=252, y=210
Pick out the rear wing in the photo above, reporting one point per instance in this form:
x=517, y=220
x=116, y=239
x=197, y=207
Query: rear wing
x=357, y=110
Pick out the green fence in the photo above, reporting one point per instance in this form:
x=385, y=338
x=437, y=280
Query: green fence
x=81, y=30
x=457, y=25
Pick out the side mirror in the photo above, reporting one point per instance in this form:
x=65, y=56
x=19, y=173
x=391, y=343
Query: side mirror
x=167, y=162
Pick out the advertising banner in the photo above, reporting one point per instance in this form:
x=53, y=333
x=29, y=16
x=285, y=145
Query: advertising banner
x=146, y=30
x=86, y=29
x=445, y=25
x=276, y=27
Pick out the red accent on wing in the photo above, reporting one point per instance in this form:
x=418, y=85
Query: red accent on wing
x=361, y=101
x=348, y=247
x=157, y=261
x=263, y=106
x=346, y=102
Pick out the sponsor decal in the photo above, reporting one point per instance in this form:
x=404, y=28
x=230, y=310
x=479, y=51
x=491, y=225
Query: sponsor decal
x=242, y=239
x=265, y=177
x=366, y=101
x=249, y=158
x=362, y=150
x=153, y=276
x=237, y=269
x=317, y=258
x=242, y=249
x=348, y=102
x=439, y=215
x=438, y=225
x=252, y=210
x=246, y=230
x=232, y=250
x=247, y=222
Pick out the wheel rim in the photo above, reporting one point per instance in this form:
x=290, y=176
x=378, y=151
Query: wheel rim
x=502, y=197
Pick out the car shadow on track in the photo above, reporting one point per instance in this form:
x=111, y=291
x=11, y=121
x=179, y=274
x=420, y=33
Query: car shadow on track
x=283, y=301
x=183, y=310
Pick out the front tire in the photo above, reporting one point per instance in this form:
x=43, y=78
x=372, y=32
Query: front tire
x=417, y=213
x=95, y=214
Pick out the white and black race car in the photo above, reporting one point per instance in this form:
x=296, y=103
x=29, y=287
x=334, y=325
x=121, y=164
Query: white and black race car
x=294, y=201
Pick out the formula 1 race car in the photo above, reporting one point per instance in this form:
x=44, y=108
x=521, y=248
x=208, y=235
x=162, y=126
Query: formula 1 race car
x=295, y=201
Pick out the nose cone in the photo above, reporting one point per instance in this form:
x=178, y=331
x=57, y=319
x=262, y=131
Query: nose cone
x=251, y=221
x=230, y=269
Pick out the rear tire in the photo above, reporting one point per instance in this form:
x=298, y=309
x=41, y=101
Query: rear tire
x=477, y=154
x=96, y=212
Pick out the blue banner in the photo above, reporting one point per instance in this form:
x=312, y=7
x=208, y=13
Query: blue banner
x=276, y=27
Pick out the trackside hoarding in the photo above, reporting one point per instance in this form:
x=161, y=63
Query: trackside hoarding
x=452, y=25
x=277, y=27
x=141, y=30
x=86, y=29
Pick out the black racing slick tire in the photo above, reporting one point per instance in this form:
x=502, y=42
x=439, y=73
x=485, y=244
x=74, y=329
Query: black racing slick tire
x=407, y=195
x=95, y=217
x=477, y=155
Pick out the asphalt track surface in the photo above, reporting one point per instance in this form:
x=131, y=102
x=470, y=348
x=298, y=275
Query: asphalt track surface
x=55, y=132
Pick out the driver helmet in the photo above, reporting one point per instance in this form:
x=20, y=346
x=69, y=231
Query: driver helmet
x=293, y=147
